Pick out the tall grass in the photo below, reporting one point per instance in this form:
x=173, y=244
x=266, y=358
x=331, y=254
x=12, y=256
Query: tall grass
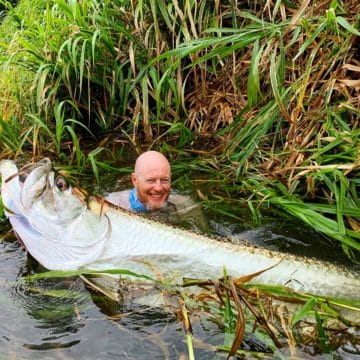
x=272, y=86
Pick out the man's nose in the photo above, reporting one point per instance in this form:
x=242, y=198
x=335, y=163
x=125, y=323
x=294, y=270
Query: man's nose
x=158, y=185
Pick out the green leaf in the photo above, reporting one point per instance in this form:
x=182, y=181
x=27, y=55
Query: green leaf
x=309, y=41
x=253, y=85
x=323, y=339
x=70, y=273
x=309, y=306
x=346, y=25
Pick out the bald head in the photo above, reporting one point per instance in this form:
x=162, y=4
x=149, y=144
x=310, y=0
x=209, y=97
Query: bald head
x=151, y=159
x=152, y=179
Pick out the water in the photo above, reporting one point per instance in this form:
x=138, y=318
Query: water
x=79, y=325
x=63, y=319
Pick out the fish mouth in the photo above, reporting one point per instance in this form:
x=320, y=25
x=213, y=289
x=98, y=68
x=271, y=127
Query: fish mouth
x=27, y=169
x=38, y=178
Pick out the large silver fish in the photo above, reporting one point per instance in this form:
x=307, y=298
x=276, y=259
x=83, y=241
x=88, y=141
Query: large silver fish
x=64, y=230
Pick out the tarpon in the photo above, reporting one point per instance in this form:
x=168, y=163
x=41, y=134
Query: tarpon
x=63, y=229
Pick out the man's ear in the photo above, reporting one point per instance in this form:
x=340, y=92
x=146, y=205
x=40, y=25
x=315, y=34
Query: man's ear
x=133, y=179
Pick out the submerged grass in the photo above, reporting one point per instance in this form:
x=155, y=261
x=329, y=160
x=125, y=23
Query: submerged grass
x=271, y=314
x=264, y=94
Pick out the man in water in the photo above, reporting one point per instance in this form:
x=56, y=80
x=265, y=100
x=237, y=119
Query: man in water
x=152, y=194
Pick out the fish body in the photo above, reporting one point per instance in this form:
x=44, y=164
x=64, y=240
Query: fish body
x=64, y=231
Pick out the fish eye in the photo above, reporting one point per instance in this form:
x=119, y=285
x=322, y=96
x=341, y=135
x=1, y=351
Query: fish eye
x=61, y=184
x=22, y=177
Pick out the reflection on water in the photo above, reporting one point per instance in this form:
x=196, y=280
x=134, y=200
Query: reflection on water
x=63, y=319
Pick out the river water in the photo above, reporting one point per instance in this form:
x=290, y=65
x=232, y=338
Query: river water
x=63, y=319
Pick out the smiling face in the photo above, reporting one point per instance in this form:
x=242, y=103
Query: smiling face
x=152, y=179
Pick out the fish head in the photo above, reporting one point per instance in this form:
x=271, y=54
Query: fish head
x=51, y=218
x=36, y=187
x=20, y=187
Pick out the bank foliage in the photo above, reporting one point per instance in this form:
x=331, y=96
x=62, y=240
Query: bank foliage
x=262, y=97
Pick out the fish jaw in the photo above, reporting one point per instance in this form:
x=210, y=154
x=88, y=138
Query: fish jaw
x=10, y=188
x=40, y=177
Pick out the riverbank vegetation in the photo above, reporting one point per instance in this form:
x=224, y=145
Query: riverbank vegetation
x=259, y=98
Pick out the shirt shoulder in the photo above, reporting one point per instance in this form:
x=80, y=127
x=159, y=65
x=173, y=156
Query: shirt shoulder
x=119, y=198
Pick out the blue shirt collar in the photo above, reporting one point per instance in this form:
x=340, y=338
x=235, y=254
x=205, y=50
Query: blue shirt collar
x=135, y=203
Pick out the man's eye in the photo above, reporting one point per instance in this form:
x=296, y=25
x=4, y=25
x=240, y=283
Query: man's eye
x=163, y=181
